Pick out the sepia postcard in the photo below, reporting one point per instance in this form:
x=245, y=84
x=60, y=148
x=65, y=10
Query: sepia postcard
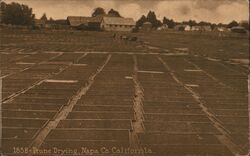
x=124, y=78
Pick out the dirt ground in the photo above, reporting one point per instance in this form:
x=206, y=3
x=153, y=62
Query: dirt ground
x=82, y=93
x=208, y=44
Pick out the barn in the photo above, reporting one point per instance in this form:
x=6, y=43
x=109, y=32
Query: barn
x=78, y=21
x=117, y=24
x=39, y=23
x=57, y=24
x=104, y=23
x=95, y=23
x=196, y=28
x=238, y=29
x=75, y=21
x=146, y=26
x=86, y=23
x=220, y=29
x=206, y=28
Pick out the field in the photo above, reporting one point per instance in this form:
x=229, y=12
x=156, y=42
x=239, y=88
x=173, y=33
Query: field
x=86, y=93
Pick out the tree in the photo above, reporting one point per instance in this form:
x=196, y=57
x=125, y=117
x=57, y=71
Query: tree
x=151, y=17
x=213, y=26
x=44, y=17
x=245, y=24
x=202, y=23
x=222, y=25
x=51, y=19
x=114, y=13
x=140, y=22
x=190, y=23
x=17, y=14
x=2, y=11
x=3, y=6
x=98, y=11
x=232, y=24
x=169, y=22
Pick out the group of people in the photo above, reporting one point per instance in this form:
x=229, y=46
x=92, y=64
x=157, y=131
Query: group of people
x=124, y=37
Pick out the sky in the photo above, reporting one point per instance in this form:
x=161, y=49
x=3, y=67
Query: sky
x=216, y=11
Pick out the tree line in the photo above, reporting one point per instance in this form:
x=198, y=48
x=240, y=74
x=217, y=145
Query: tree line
x=16, y=14
x=96, y=12
x=171, y=23
x=19, y=14
x=151, y=17
x=100, y=11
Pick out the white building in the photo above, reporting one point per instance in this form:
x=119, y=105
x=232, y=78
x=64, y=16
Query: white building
x=117, y=24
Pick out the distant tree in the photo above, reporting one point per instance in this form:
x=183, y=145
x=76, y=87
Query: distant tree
x=213, y=26
x=157, y=24
x=177, y=23
x=44, y=17
x=51, y=19
x=17, y=14
x=245, y=25
x=222, y=25
x=140, y=22
x=190, y=23
x=203, y=23
x=3, y=6
x=232, y=24
x=114, y=13
x=151, y=17
x=98, y=11
x=169, y=22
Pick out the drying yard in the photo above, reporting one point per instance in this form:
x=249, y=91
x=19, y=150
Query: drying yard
x=73, y=93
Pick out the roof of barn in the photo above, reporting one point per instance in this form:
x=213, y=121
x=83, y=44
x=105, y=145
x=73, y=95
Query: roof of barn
x=118, y=21
x=78, y=20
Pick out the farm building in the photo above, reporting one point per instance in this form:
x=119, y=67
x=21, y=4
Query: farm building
x=182, y=27
x=147, y=26
x=117, y=24
x=88, y=23
x=196, y=28
x=220, y=29
x=163, y=27
x=39, y=23
x=104, y=23
x=238, y=29
x=206, y=28
x=95, y=23
x=57, y=24
x=78, y=21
